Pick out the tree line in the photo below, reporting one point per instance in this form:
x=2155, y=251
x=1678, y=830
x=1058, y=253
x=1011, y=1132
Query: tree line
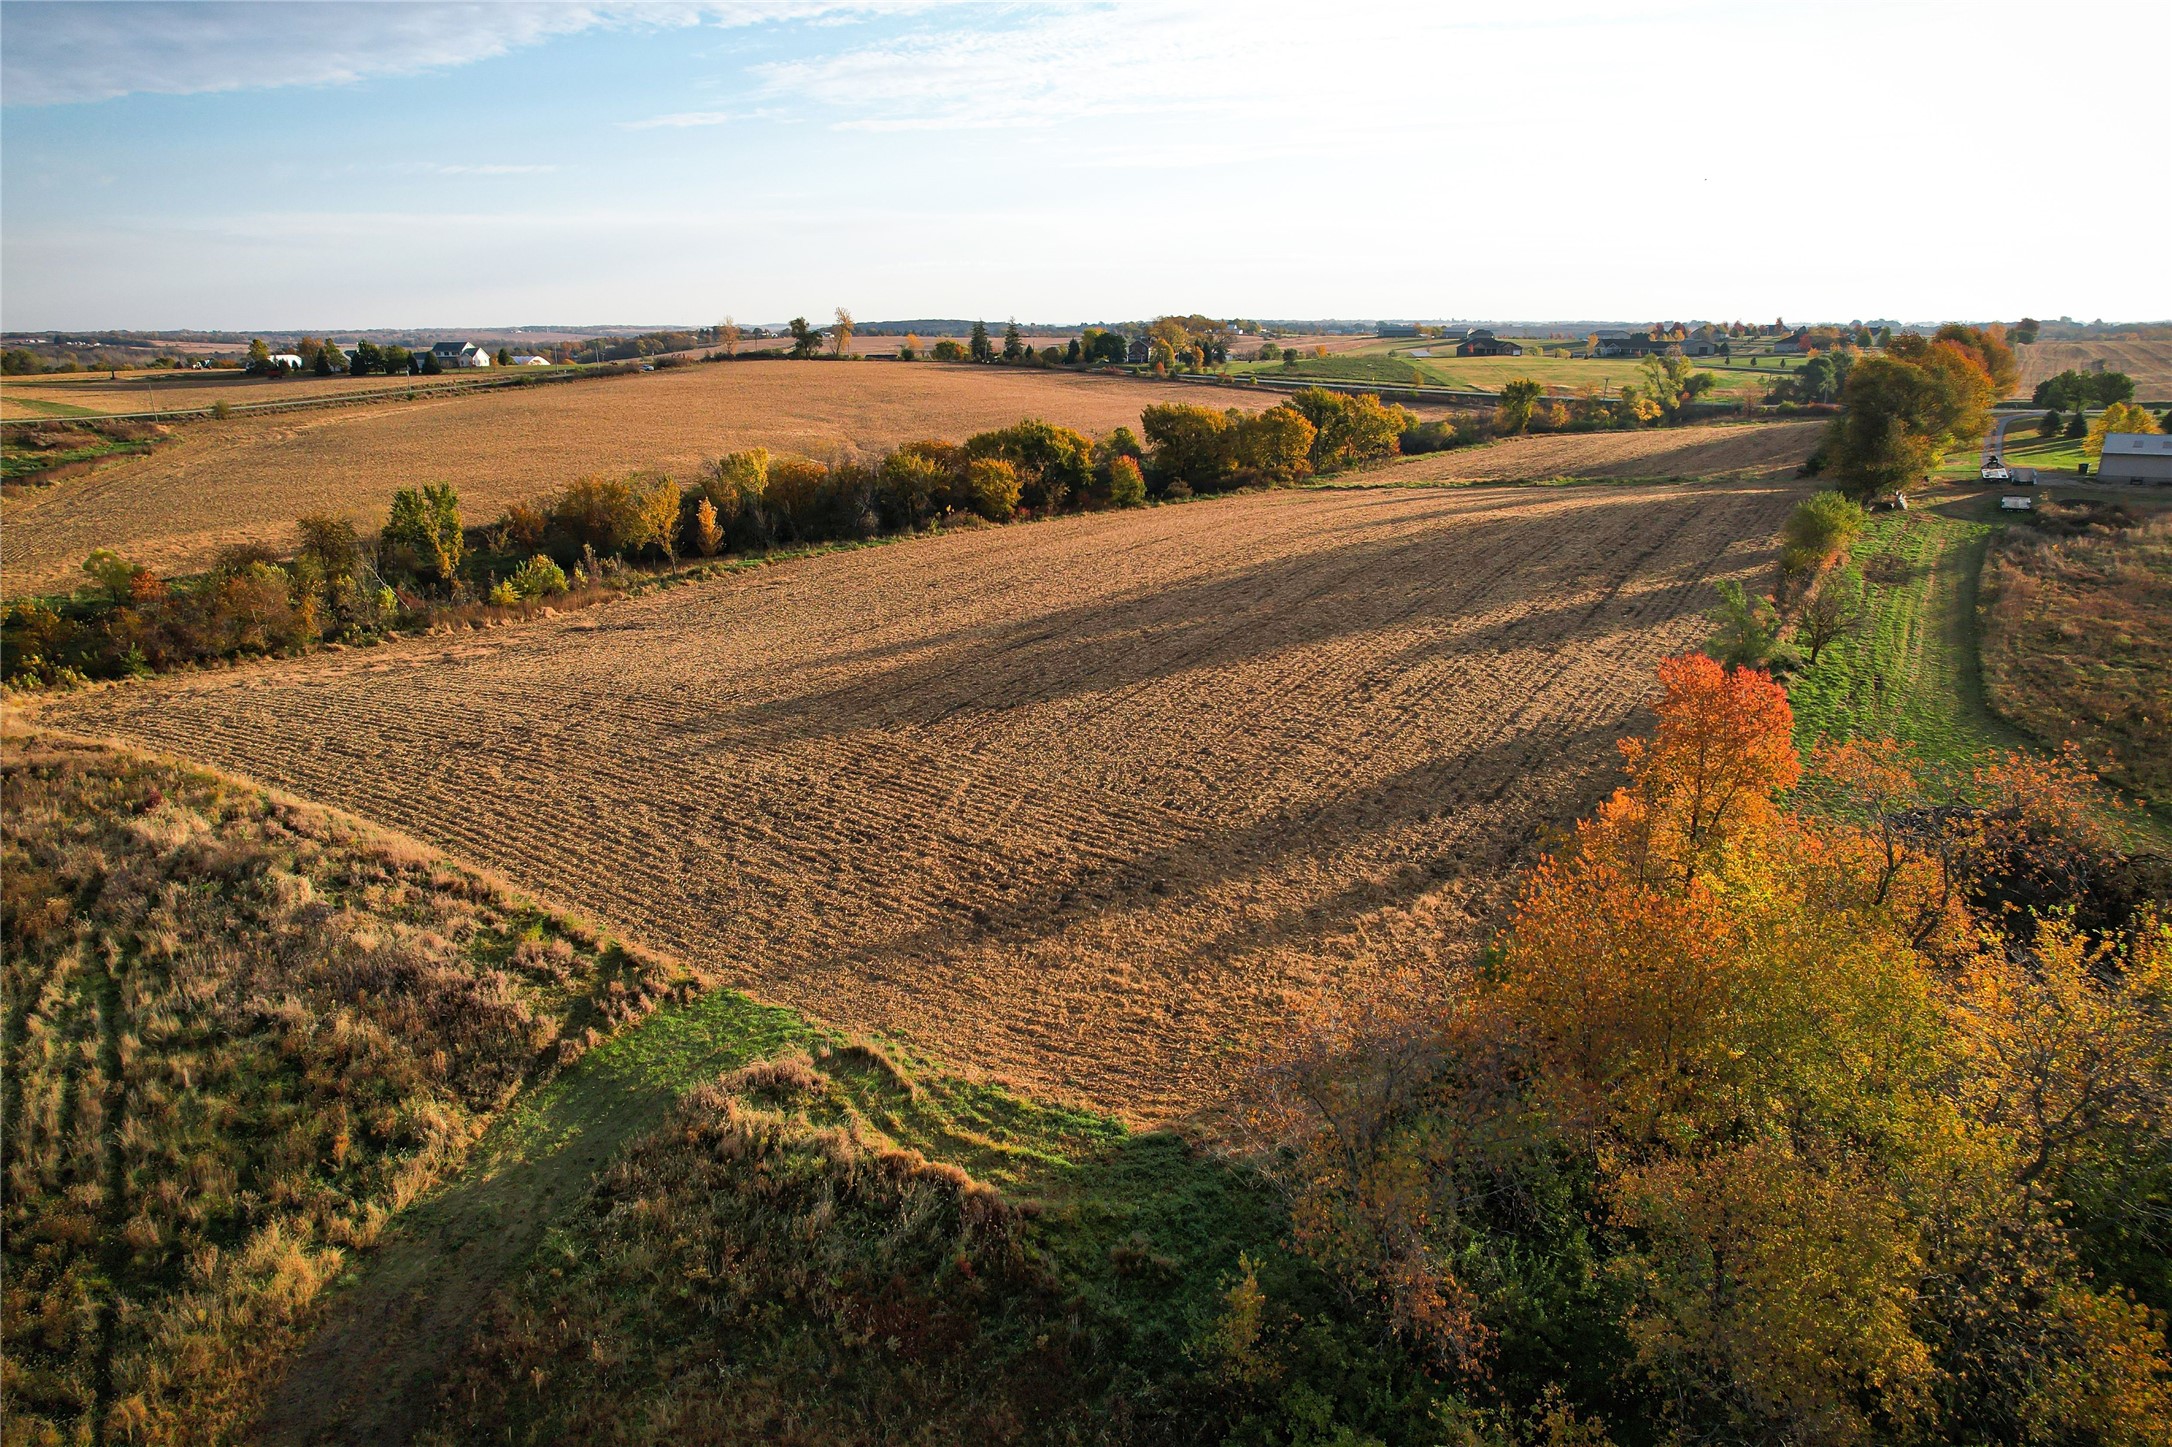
x=429, y=564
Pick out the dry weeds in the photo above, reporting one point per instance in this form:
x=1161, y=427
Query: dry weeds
x=1088, y=802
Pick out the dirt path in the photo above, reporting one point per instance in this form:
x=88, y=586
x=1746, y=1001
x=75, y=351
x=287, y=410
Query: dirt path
x=1086, y=803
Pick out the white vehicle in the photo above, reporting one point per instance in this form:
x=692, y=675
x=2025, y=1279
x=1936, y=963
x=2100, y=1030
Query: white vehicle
x=1996, y=471
x=2017, y=504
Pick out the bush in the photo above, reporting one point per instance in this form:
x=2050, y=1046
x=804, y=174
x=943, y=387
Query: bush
x=990, y=489
x=1823, y=525
x=1351, y=429
x=1747, y=634
x=1274, y=446
x=539, y=577
x=602, y=513
x=1126, y=484
x=1054, y=464
x=1190, y=445
x=423, y=537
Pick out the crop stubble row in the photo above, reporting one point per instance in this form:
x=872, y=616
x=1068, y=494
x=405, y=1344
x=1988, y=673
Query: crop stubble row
x=1086, y=803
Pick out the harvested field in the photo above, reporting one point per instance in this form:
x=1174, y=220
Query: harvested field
x=248, y=479
x=1087, y=802
x=1719, y=450
x=2149, y=363
x=179, y=391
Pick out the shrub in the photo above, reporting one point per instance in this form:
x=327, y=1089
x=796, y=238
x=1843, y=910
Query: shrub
x=1350, y=429
x=1191, y=445
x=1274, y=446
x=912, y=486
x=539, y=577
x=423, y=534
x=600, y=513
x=1054, y=464
x=704, y=534
x=1747, y=634
x=1823, y=525
x=989, y=487
x=735, y=485
x=797, y=492
x=1127, y=485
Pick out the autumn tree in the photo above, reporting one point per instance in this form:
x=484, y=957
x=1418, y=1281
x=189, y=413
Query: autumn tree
x=1902, y=412
x=841, y=332
x=2119, y=417
x=727, y=335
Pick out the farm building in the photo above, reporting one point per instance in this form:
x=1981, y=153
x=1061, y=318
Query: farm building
x=1632, y=344
x=1399, y=329
x=2136, y=457
x=522, y=359
x=292, y=361
x=460, y=354
x=1483, y=343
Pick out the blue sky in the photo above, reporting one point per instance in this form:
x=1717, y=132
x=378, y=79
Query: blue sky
x=337, y=165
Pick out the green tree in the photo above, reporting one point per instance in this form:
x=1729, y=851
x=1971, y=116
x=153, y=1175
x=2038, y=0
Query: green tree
x=2078, y=424
x=1746, y=631
x=367, y=360
x=1519, y=396
x=505, y=357
x=330, y=359
x=2049, y=424
x=980, y=348
x=260, y=362
x=424, y=532
x=806, y=341
x=1014, y=342
x=1053, y=465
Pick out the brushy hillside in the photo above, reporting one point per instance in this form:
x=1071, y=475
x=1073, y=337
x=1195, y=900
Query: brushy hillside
x=2077, y=637
x=241, y=1034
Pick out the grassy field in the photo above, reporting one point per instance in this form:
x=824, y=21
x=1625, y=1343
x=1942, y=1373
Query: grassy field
x=1422, y=362
x=1912, y=673
x=2076, y=644
x=95, y=393
x=1087, y=803
x=245, y=480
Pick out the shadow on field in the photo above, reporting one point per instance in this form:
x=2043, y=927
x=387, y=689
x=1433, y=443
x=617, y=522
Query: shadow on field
x=1517, y=576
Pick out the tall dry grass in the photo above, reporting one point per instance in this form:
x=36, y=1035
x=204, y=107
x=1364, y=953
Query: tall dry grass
x=240, y=1036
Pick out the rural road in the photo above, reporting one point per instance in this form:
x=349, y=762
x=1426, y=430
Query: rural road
x=1994, y=444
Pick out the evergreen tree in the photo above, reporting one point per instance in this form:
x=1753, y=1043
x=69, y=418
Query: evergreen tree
x=981, y=349
x=1014, y=344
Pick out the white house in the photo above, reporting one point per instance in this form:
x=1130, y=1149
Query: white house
x=2136, y=457
x=520, y=360
x=460, y=354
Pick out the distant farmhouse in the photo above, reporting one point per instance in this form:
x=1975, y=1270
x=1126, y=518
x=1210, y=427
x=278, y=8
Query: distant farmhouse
x=2136, y=457
x=1483, y=343
x=1705, y=341
x=460, y=354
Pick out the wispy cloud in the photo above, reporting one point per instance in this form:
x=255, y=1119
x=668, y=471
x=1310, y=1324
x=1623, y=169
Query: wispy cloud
x=58, y=51
x=465, y=168
x=699, y=118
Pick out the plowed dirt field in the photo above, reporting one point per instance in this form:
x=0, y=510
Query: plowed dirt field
x=1087, y=803
x=2149, y=363
x=1721, y=450
x=247, y=479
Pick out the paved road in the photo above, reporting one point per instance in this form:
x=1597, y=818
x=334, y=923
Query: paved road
x=1994, y=444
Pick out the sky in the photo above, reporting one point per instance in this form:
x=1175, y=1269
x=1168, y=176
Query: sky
x=277, y=166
